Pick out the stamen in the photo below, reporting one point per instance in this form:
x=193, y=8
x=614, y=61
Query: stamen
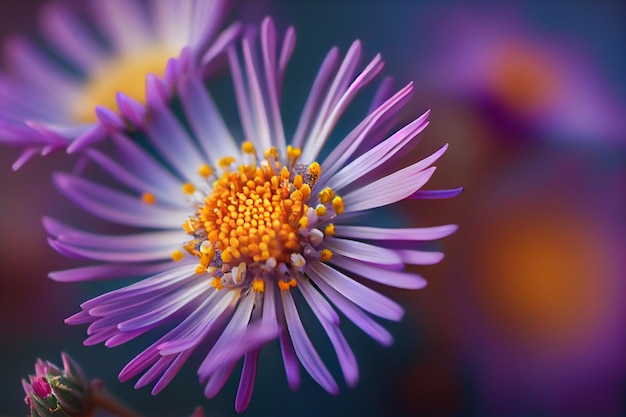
x=326, y=195
x=271, y=152
x=205, y=171
x=297, y=260
x=329, y=230
x=326, y=255
x=297, y=181
x=315, y=170
x=320, y=210
x=239, y=274
x=225, y=162
x=306, y=191
x=177, y=255
x=285, y=285
x=217, y=283
x=258, y=285
x=188, y=188
x=316, y=238
x=148, y=198
x=338, y=205
x=207, y=248
x=270, y=264
x=248, y=147
x=292, y=155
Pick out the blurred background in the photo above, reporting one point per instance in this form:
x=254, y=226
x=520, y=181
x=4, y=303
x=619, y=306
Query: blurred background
x=526, y=314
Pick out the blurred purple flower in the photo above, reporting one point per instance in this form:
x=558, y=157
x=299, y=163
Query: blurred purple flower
x=93, y=61
x=231, y=228
x=530, y=80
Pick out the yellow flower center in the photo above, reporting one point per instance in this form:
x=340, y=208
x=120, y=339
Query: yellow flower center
x=126, y=73
x=258, y=222
x=523, y=79
x=254, y=214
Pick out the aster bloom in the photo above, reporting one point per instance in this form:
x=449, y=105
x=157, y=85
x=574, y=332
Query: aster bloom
x=87, y=73
x=529, y=79
x=231, y=227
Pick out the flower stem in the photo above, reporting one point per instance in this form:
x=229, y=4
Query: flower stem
x=101, y=399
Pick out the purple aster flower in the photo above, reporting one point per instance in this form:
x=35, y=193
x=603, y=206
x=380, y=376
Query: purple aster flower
x=232, y=226
x=88, y=73
x=496, y=58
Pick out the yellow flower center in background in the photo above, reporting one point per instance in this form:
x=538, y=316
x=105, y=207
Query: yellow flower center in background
x=254, y=213
x=524, y=79
x=126, y=73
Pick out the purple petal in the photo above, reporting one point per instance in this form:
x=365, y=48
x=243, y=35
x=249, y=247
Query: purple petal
x=364, y=252
x=435, y=194
x=170, y=372
x=286, y=50
x=167, y=279
x=107, y=271
x=144, y=166
x=415, y=234
x=377, y=156
x=396, y=279
x=218, y=379
x=246, y=383
x=24, y=157
x=165, y=309
x=231, y=336
x=418, y=257
x=170, y=138
x=140, y=242
x=364, y=297
x=356, y=315
x=383, y=93
x=197, y=325
x=220, y=44
x=81, y=317
x=318, y=303
x=329, y=320
x=268, y=43
x=346, y=148
x=123, y=23
x=315, y=95
x=141, y=185
x=109, y=118
x=205, y=120
x=155, y=371
x=388, y=190
x=130, y=108
x=115, y=206
x=304, y=348
x=292, y=368
x=90, y=136
x=69, y=35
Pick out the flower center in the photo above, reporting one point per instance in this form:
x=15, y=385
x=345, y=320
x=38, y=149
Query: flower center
x=126, y=73
x=523, y=79
x=256, y=220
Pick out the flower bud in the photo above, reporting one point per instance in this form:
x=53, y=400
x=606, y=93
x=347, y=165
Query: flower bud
x=53, y=392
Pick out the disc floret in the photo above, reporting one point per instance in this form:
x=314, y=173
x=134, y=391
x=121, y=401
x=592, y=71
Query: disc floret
x=259, y=221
